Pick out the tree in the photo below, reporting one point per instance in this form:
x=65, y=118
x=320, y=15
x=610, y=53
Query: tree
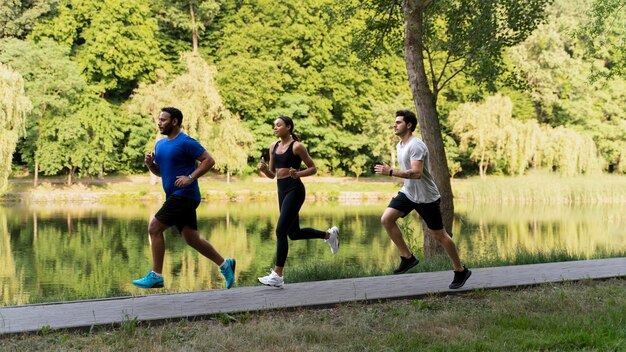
x=205, y=117
x=18, y=17
x=496, y=140
x=230, y=144
x=291, y=58
x=608, y=26
x=445, y=39
x=191, y=17
x=81, y=142
x=54, y=85
x=113, y=41
x=570, y=86
x=14, y=106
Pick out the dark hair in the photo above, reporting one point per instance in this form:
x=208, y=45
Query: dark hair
x=174, y=114
x=289, y=122
x=409, y=117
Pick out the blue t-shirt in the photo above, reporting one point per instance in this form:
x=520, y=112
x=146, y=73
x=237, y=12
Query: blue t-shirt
x=177, y=157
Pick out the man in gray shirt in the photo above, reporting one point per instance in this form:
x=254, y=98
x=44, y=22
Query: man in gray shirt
x=419, y=193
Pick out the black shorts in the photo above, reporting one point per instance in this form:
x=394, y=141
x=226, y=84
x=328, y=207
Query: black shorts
x=430, y=212
x=178, y=211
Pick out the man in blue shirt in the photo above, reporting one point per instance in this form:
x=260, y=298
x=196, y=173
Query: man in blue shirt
x=174, y=159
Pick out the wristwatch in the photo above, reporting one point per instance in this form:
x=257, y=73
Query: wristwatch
x=190, y=177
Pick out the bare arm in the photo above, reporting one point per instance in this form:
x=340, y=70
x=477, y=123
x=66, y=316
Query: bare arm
x=300, y=150
x=417, y=167
x=269, y=171
x=206, y=163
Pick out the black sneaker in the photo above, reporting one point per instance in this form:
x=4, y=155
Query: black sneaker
x=460, y=277
x=406, y=264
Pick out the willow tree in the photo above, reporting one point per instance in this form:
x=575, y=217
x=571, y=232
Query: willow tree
x=570, y=152
x=14, y=106
x=479, y=128
x=195, y=93
x=54, y=86
x=230, y=144
x=573, y=87
x=444, y=39
x=498, y=142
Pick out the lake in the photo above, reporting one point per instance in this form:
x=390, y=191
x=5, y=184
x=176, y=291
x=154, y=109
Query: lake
x=66, y=251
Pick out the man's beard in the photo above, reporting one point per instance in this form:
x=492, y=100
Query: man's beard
x=166, y=130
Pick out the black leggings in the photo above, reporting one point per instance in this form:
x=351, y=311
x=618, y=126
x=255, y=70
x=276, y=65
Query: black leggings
x=291, y=194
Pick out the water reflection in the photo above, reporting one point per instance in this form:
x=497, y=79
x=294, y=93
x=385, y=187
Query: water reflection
x=62, y=252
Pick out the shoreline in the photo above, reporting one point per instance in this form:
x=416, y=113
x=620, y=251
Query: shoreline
x=145, y=188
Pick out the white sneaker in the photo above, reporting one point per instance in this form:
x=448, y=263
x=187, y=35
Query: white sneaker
x=333, y=240
x=272, y=280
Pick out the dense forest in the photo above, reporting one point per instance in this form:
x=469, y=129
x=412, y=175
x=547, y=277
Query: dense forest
x=82, y=83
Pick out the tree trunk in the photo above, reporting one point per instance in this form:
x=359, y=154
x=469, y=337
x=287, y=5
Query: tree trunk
x=227, y=176
x=194, y=29
x=426, y=104
x=36, y=178
x=69, y=176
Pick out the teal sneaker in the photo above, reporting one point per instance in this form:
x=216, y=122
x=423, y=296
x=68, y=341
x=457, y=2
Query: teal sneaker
x=151, y=280
x=228, y=270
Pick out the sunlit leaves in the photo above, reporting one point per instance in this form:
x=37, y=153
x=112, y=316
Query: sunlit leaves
x=498, y=142
x=14, y=106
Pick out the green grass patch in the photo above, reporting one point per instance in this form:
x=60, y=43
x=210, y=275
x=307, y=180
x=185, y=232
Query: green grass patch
x=319, y=271
x=542, y=188
x=572, y=316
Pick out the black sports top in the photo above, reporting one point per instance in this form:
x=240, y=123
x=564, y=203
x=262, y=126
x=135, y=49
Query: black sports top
x=287, y=159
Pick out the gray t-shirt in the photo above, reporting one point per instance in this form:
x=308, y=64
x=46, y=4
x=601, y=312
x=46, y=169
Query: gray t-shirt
x=421, y=190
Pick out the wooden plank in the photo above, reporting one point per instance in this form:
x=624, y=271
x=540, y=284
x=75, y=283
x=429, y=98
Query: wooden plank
x=89, y=313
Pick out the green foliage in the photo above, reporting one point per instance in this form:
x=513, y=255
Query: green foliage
x=607, y=29
x=129, y=325
x=17, y=17
x=114, y=42
x=205, y=117
x=14, y=106
x=290, y=58
x=230, y=144
x=82, y=142
x=555, y=63
x=294, y=58
x=53, y=84
x=137, y=140
x=496, y=140
x=185, y=19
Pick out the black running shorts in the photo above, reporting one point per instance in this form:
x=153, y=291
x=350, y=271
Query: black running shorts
x=178, y=211
x=430, y=212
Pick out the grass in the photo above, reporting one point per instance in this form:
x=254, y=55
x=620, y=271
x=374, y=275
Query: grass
x=542, y=188
x=571, y=316
x=319, y=271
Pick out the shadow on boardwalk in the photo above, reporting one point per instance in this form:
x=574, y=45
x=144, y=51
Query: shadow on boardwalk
x=158, y=307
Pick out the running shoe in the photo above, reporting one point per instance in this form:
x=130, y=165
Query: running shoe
x=406, y=264
x=460, y=277
x=228, y=270
x=272, y=280
x=151, y=280
x=333, y=240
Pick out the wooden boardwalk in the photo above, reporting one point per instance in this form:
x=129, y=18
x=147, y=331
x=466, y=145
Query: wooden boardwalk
x=92, y=313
